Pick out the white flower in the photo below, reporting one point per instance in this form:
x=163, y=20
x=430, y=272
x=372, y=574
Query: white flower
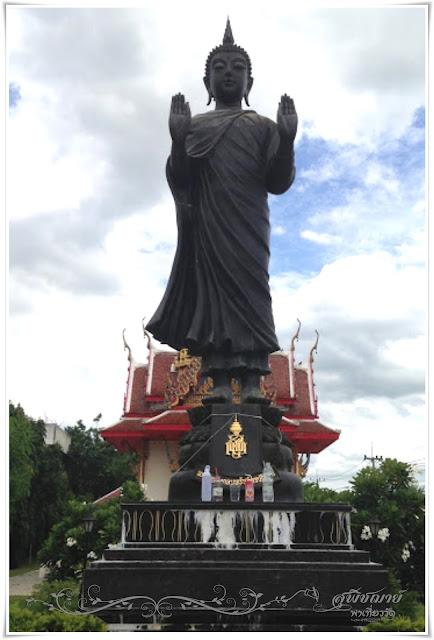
x=366, y=533
x=383, y=534
x=112, y=545
x=70, y=542
x=405, y=554
x=411, y=545
x=58, y=564
x=92, y=555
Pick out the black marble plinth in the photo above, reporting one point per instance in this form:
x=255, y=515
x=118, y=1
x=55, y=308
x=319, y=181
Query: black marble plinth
x=285, y=567
x=236, y=523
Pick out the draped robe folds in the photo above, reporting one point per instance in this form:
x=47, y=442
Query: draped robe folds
x=217, y=300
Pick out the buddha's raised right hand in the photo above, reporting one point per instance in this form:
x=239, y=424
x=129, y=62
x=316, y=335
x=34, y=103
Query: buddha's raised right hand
x=179, y=118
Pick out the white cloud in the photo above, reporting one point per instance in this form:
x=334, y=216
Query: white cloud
x=93, y=222
x=278, y=230
x=320, y=238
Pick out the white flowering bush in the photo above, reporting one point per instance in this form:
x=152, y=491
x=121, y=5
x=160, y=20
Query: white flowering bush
x=383, y=534
x=64, y=550
x=406, y=553
x=366, y=533
x=388, y=494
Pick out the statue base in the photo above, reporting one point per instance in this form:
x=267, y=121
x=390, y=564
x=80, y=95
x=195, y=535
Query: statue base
x=210, y=441
x=283, y=567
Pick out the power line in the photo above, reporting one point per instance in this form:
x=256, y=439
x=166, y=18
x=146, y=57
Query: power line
x=343, y=473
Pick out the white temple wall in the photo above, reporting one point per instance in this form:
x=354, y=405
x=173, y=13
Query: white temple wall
x=157, y=469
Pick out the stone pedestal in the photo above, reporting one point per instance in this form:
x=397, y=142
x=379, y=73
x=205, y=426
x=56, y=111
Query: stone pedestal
x=277, y=567
x=206, y=443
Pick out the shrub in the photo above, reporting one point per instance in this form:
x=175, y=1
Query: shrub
x=64, y=550
x=396, y=624
x=39, y=613
x=25, y=620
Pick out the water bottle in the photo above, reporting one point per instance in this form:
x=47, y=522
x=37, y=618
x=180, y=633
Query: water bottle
x=249, y=490
x=217, y=488
x=267, y=483
x=206, y=485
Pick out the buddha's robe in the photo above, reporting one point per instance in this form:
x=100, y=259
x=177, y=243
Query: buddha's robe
x=218, y=299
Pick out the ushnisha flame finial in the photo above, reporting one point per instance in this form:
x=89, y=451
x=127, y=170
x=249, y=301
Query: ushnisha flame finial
x=228, y=38
x=314, y=348
x=126, y=345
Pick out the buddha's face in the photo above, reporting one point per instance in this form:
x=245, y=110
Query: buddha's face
x=229, y=77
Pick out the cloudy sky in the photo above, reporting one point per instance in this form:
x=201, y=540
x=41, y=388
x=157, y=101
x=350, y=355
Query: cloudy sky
x=92, y=222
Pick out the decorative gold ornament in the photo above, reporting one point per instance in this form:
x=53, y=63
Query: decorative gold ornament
x=240, y=481
x=183, y=359
x=182, y=380
x=236, y=446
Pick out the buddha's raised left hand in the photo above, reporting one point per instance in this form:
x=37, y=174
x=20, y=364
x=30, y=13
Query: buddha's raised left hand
x=287, y=119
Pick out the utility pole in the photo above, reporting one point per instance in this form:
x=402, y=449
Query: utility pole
x=372, y=459
x=318, y=480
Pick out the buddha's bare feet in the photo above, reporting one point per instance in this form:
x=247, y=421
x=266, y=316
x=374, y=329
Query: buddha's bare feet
x=251, y=389
x=222, y=392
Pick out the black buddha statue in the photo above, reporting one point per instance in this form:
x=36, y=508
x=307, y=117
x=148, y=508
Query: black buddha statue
x=223, y=164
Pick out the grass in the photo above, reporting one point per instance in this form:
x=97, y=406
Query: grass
x=22, y=570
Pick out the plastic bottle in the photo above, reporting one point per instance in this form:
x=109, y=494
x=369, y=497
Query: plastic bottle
x=206, y=485
x=267, y=483
x=217, y=488
x=249, y=490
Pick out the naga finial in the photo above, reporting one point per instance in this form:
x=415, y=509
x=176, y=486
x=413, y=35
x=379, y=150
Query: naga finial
x=314, y=348
x=146, y=333
x=126, y=345
x=296, y=336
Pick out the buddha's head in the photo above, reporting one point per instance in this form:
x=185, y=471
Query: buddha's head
x=228, y=72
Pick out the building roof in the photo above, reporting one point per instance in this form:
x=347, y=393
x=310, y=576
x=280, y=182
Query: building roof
x=159, y=393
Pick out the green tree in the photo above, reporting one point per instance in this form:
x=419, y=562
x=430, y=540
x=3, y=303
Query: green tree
x=38, y=485
x=64, y=550
x=390, y=494
x=315, y=493
x=94, y=466
x=50, y=491
x=21, y=469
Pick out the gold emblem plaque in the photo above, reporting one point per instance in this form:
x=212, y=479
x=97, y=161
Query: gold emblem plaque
x=236, y=446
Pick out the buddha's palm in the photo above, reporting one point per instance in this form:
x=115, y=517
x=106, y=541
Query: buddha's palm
x=287, y=119
x=179, y=118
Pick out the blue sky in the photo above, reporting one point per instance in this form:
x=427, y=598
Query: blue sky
x=14, y=95
x=403, y=160
x=92, y=223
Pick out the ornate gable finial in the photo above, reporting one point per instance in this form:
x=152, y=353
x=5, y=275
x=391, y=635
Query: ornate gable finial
x=314, y=348
x=295, y=336
x=146, y=334
x=126, y=345
x=228, y=38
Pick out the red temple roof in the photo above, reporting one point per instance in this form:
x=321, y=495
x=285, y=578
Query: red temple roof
x=159, y=393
